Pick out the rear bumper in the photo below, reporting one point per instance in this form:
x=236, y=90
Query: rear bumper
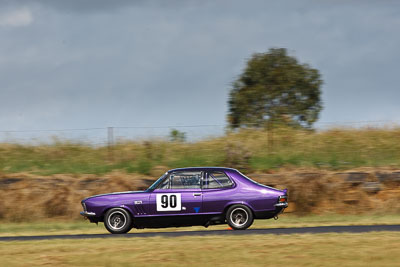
x=282, y=205
x=279, y=208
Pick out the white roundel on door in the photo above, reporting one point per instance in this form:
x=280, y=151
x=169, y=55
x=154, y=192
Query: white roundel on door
x=169, y=202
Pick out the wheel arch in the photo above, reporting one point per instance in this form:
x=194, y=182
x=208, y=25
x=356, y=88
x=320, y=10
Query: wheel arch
x=244, y=203
x=116, y=207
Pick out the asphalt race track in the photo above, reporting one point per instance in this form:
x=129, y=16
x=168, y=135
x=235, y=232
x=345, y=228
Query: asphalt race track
x=275, y=231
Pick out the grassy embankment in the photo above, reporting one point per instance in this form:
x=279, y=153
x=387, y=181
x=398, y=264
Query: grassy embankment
x=51, y=227
x=48, y=181
x=248, y=149
x=367, y=249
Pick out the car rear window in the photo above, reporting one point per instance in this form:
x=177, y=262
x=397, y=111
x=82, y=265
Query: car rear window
x=217, y=179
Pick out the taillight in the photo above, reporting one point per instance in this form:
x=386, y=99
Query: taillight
x=282, y=199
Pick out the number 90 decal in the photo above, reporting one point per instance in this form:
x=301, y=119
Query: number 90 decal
x=169, y=202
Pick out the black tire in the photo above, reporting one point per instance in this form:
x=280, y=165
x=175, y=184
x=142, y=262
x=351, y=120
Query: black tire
x=239, y=217
x=118, y=221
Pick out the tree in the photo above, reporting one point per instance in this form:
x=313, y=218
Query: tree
x=177, y=136
x=275, y=88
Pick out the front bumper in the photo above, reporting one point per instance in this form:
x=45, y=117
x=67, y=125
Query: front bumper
x=87, y=214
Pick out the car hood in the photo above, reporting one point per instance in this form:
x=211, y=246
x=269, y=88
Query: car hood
x=114, y=193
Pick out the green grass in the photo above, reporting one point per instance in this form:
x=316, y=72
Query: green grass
x=367, y=249
x=249, y=150
x=285, y=221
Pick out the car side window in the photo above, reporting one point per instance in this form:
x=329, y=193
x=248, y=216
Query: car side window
x=218, y=179
x=182, y=180
x=165, y=183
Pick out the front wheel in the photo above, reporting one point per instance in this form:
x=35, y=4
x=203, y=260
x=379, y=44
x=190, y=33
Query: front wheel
x=118, y=221
x=239, y=217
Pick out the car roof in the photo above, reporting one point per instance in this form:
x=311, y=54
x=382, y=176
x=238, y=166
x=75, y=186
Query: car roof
x=203, y=169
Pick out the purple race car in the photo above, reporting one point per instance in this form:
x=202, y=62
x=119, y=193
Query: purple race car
x=186, y=197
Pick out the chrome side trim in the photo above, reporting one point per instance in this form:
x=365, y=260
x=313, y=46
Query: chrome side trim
x=87, y=214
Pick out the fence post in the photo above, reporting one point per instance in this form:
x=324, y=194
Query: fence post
x=270, y=137
x=110, y=143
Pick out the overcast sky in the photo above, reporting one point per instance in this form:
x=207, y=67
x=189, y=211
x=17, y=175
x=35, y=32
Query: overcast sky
x=82, y=64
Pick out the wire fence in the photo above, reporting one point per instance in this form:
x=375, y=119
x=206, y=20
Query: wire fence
x=102, y=136
x=109, y=135
x=103, y=149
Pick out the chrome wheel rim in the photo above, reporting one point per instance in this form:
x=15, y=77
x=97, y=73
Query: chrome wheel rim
x=116, y=220
x=239, y=217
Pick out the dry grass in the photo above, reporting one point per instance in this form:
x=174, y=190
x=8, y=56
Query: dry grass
x=59, y=196
x=368, y=249
x=316, y=192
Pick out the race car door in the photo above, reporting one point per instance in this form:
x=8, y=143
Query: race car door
x=179, y=194
x=216, y=192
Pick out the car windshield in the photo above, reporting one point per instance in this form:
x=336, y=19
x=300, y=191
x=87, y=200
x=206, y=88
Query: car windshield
x=156, y=183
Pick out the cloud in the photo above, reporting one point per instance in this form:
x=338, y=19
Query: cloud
x=84, y=7
x=121, y=63
x=16, y=18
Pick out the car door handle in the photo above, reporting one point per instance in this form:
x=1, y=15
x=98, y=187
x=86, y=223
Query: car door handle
x=196, y=194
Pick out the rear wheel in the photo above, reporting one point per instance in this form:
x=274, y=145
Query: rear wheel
x=118, y=221
x=239, y=217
